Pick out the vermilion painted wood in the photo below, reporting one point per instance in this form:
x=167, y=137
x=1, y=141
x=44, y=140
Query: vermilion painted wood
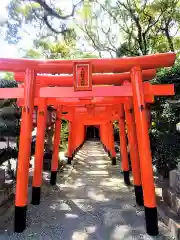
x=132, y=139
x=113, y=65
x=143, y=139
x=77, y=76
x=108, y=91
x=123, y=141
x=77, y=102
x=11, y=93
x=104, y=118
x=158, y=89
x=97, y=79
x=64, y=92
x=71, y=102
x=25, y=140
x=57, y=137
x=41, y=129
x=97, y=114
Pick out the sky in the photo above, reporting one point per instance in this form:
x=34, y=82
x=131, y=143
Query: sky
x=6, y=50
x=12, y=51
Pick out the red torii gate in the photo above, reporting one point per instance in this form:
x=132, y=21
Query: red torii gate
x=135, y=92
x=97, y=79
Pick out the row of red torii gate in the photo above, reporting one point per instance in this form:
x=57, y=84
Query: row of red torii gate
x=88, y=92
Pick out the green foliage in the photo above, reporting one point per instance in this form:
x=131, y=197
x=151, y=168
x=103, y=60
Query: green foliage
x=165, y=149
x=41, y=17
x=33, y=53
x=9, y=112
x=165, y=139
x=86, y=11
x=120, y=28
x=9, y=128
x=57, y=49
x=131, y=28
x=52, y=49
x=64, y=135
x=7, y=83
x=9, y=76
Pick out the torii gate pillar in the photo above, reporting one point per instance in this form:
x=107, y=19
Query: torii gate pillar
x=111, y=143
x=144, y=152
x=21, y=198
x=55, y=156
x=134, y=155
x=70, y=139
x=39, y=152
x=123, y=147
x=104, y=136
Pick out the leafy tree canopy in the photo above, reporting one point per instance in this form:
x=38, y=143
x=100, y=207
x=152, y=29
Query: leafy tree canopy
x=133, y=27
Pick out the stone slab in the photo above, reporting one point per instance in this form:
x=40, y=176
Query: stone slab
x=172, y=178
x=5, y=193
x=177, y=183
x=170, y=219
x=178, y=166
x=2, y=178
x=172, y=199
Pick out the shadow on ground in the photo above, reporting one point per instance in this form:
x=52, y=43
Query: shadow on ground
x=92, y=203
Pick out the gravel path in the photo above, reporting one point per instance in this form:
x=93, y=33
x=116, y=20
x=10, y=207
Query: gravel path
x=92, y=204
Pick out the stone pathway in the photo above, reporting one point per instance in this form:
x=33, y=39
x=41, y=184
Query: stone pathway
x=91, y=204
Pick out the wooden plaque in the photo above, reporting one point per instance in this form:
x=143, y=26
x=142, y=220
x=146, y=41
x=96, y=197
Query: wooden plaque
x=82, y=73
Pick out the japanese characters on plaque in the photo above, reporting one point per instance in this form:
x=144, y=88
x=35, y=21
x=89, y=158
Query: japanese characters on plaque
x=82, y=73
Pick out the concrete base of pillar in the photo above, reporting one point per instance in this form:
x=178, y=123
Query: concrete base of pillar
x=47, y=161
x=36, y=195
x=139, y=195
x=113, y=160
x=53, y=177
x=126, y=178
x=20, y=219
x=151, y=221
x=69, y=160
x=108, y=152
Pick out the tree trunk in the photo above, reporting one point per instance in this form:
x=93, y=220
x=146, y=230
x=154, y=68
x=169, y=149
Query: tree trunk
x=169, y=38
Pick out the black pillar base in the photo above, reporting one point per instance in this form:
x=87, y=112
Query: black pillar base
x=20, y=219
x=126, y=178
x=36, y=195
x=139, y=195
x=108, y=152
x=69, y=160
x=53, y=177
x=113, y=160
x=151, y=221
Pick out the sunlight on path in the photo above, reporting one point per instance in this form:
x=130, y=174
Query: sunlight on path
x=92, y=203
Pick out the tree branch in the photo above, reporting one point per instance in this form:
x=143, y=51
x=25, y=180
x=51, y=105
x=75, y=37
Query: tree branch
x=136, y=20
x=63, y=27
x=166, y=31
x=91, y=39
x=51, y=12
